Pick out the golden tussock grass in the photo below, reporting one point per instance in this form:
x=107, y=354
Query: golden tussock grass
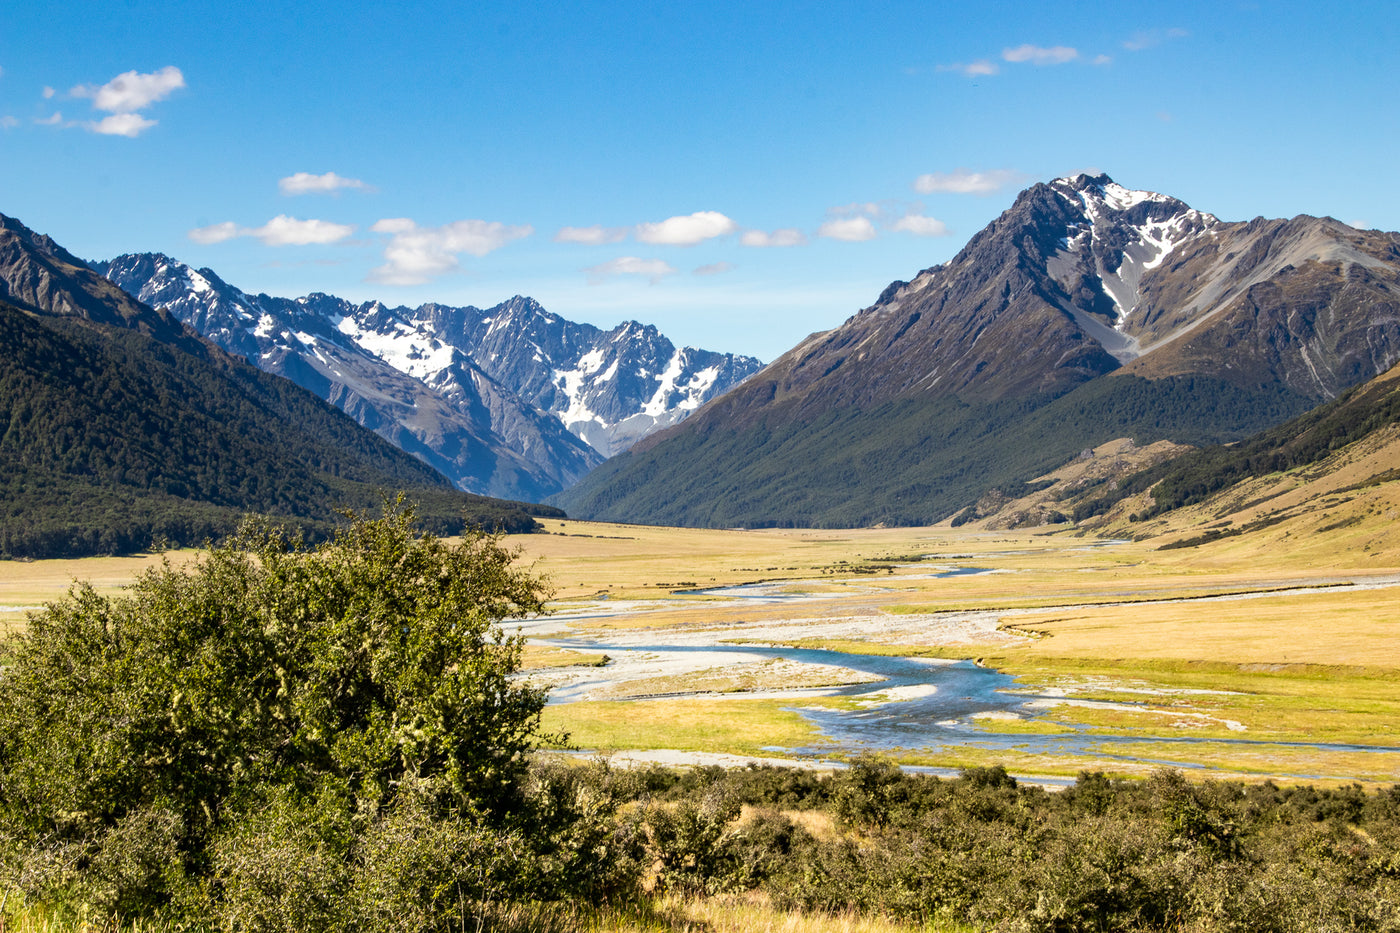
x=749, y=727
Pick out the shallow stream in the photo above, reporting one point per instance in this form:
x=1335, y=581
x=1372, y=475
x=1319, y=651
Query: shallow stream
x=931, y=704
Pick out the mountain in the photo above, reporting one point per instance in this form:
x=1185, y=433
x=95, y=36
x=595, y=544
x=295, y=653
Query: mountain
x=1086, y=312
x=119, y=425
x=610, y=388
x=426, y=397
x=510, y=401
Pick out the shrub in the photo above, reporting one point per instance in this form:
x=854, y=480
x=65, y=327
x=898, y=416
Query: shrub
x=254, y=718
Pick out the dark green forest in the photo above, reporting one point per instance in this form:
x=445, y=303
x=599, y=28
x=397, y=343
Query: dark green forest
x=111, y=440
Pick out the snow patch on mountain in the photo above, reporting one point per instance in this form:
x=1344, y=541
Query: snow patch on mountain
x=1121, y=235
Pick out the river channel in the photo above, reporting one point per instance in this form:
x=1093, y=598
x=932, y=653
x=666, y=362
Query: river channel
x=918, y=705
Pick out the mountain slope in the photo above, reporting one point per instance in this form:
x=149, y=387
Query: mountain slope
x=118, y=424
x=1085, y=312
x=1366, y=418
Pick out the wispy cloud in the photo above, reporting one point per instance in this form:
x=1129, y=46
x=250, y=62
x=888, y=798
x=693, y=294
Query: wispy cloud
x=48, y=93
x=687, y=230
x=9, y=122
x=124, y=96
x=653, y=270
x=787, y=236
x=416, y=254
x=595, y=235
x=329, y=183
x=1039, y=55
x=279, y=231
x=920, y=225
x=979, y=68
x=216, y=233
x=130, y=125
x=53, y=119
x=962, y=181
x=1148, y=38
x=714, y=268
x=848, y=229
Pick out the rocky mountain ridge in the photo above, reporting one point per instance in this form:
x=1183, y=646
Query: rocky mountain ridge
x=511, y=401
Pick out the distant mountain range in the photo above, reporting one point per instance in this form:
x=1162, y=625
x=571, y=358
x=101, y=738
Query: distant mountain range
x=120, y=426
x=512, y=401
x=1085, y=312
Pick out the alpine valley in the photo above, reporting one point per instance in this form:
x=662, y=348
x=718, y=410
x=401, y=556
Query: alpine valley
x=512, y=401
x=1086, y=312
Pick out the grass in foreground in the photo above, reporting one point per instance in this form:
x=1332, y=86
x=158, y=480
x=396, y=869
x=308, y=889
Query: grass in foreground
x=668, y=914
x=743, y=727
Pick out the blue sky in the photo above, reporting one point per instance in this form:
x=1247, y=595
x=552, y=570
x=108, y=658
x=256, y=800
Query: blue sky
x=738, y=173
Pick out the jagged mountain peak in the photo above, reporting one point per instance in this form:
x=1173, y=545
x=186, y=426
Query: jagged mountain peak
x=515, y=369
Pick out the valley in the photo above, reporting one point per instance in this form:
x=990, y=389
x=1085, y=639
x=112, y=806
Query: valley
x=1045, y=650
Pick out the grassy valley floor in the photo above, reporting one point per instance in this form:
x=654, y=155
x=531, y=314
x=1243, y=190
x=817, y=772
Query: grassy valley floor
x=1272, y=665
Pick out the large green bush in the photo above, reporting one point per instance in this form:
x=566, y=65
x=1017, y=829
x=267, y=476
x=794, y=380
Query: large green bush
x=247, y=734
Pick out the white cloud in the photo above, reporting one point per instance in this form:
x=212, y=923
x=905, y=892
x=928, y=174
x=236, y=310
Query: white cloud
x=961, y=181
x=654, y=270
x=591, y=236
x=288, y=231
x=215, y=233
x=279, y=231
x=849, y=229
x=53, y=120
x=394, y=225
x=9, y=122
x=49, y=92
x=687, y=230
x=1036, y=55
x=919, y=225
x=306, y=183
x=1102, y=60
x=715, y=268
x=1146, y=39
x=130, y=125
x=979, y=68
x=416, y=254
x=132, y=91
x=787, y=236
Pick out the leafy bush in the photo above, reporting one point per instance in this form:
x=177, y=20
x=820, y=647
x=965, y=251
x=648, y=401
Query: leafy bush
x=245, y=731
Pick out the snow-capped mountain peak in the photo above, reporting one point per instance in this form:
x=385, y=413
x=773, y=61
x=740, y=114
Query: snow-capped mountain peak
x=1115, y=235
x=513, y=401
